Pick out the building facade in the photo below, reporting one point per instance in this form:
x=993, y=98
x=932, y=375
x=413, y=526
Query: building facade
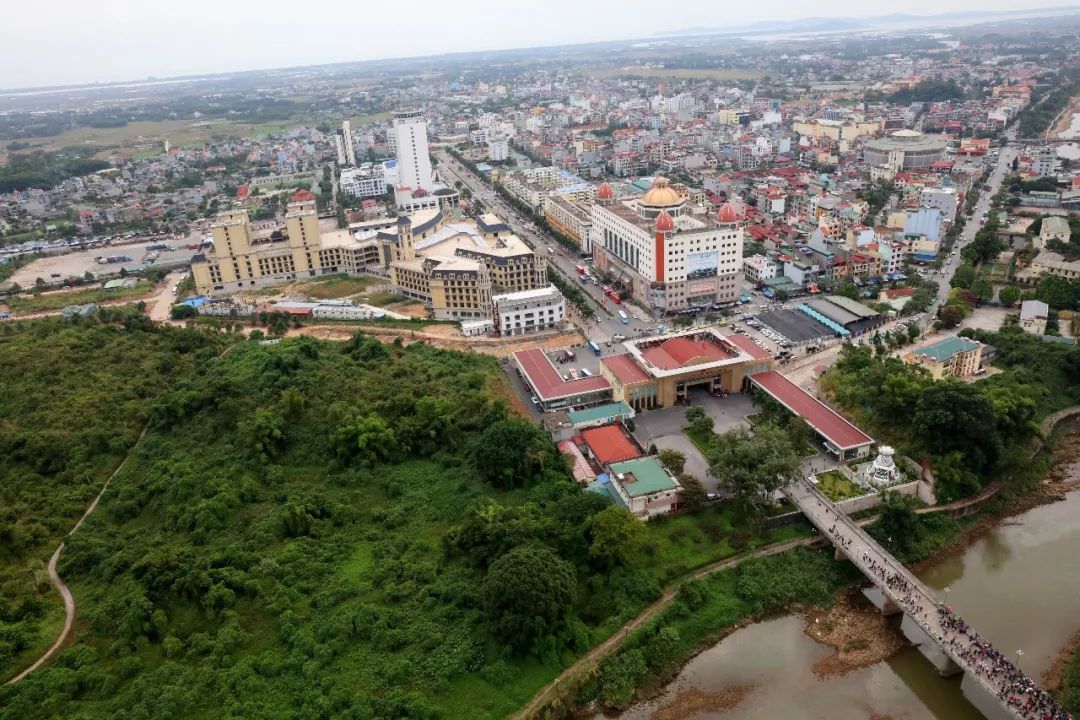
x=572, y=218
x=669, y=257
x=414, y=162
x=954, y=357
x=528, y=311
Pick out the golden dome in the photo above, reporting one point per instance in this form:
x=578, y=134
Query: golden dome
x=661, y=195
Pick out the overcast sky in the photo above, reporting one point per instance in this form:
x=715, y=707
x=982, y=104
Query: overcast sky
x=51, y=42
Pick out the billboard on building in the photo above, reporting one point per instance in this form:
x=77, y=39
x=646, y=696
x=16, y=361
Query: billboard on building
x=700, y=265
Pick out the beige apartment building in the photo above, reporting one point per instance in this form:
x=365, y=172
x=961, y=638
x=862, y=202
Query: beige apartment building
x=452, y=265
x=953, y=357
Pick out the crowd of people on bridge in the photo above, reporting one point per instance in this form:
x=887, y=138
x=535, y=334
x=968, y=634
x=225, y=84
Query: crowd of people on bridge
x=1015, y=689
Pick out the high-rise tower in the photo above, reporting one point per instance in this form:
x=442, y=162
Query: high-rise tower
x=414, y=163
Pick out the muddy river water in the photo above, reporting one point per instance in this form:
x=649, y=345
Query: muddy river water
x=1019, y=585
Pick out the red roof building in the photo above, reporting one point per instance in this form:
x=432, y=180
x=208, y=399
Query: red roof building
x=844, y=438
x=625, y=370
x=681, y=351
x=610, y=444
x=551, y=388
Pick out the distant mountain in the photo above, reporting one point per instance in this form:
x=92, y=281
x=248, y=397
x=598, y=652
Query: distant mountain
x=835, y=24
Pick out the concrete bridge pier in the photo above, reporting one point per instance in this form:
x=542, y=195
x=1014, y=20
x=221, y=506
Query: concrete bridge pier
x=929, y=648
x=984, y=700
x=880, y=601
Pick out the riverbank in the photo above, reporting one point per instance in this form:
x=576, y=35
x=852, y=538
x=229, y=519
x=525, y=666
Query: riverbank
x=860, y=639
x=1062, y=679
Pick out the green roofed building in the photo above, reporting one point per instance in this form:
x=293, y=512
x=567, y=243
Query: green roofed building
x=600, y=415
x=953, y=357
x=644, y=487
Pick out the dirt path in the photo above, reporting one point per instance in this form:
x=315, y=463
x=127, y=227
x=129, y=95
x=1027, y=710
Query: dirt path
x=54, y=576
x=588, y=662
x=58, y=583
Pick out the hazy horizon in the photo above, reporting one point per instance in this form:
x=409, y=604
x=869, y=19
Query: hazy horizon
x=115, y=41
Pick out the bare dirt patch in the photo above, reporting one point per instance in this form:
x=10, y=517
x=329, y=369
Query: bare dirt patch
x=859, y=633
x=693, y=701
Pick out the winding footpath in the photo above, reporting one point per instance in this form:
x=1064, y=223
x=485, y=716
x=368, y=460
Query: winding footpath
x=54, y=576
x=58, y=583
x=590, y=660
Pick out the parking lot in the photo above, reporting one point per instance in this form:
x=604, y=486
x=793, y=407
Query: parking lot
x=663, y=428
x=793, y=325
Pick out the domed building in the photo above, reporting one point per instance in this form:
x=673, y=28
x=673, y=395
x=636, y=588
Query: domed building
x=671, y=254
x=904, y=150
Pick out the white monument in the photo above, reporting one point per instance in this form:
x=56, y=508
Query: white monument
x=883, y=470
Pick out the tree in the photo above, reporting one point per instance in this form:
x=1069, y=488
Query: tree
x=182, y=312
x=693, y=495
x=673, y=460
x=983, y=289
x=963, y=277
x=913, y=332
x=752, y=467
x=919, y=301
x=616, y=536
x=528, y=594
x=950, y=316
x=956, y=417
x=511, y=453
x=897, y=527
x=368, y=438
x=1009, y=295
x=1057, y=292
x=264, y=432
x=849, y=290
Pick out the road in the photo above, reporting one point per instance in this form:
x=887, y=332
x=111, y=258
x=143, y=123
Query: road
x=953, y=261
x=605, y=325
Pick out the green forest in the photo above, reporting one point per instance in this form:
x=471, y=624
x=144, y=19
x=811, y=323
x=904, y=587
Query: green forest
x=971, y=432
x=74, y=400
x=309, y=529
x=44, y=170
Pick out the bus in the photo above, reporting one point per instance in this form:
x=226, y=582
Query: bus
x=594, y=347
x=622, y=316
x=614, y=296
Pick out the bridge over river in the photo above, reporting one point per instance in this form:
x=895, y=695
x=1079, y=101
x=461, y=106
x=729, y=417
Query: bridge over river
x=992, y=683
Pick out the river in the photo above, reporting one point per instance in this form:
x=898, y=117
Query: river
x=1019, y=586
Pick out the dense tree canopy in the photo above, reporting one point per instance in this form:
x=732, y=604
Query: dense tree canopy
x=753, y=466
x=512, y=452
x=528, y=593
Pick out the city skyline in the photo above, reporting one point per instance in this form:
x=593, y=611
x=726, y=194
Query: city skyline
x=120, y=41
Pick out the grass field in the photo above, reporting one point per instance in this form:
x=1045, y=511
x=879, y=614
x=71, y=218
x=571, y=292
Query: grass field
x=336, y=286
x=384, y=299
x=837, y=487
x=55, y=301
x=679, y=73
x=372, y=118
x=995, y=272
x=145, y=139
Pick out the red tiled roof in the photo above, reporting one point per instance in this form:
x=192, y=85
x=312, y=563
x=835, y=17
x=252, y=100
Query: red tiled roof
x=580, y=469
x=679, y=351
x=546, y=380
x=625, y=369
x=749, y=347
x=817, y=414
x=610, y=444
